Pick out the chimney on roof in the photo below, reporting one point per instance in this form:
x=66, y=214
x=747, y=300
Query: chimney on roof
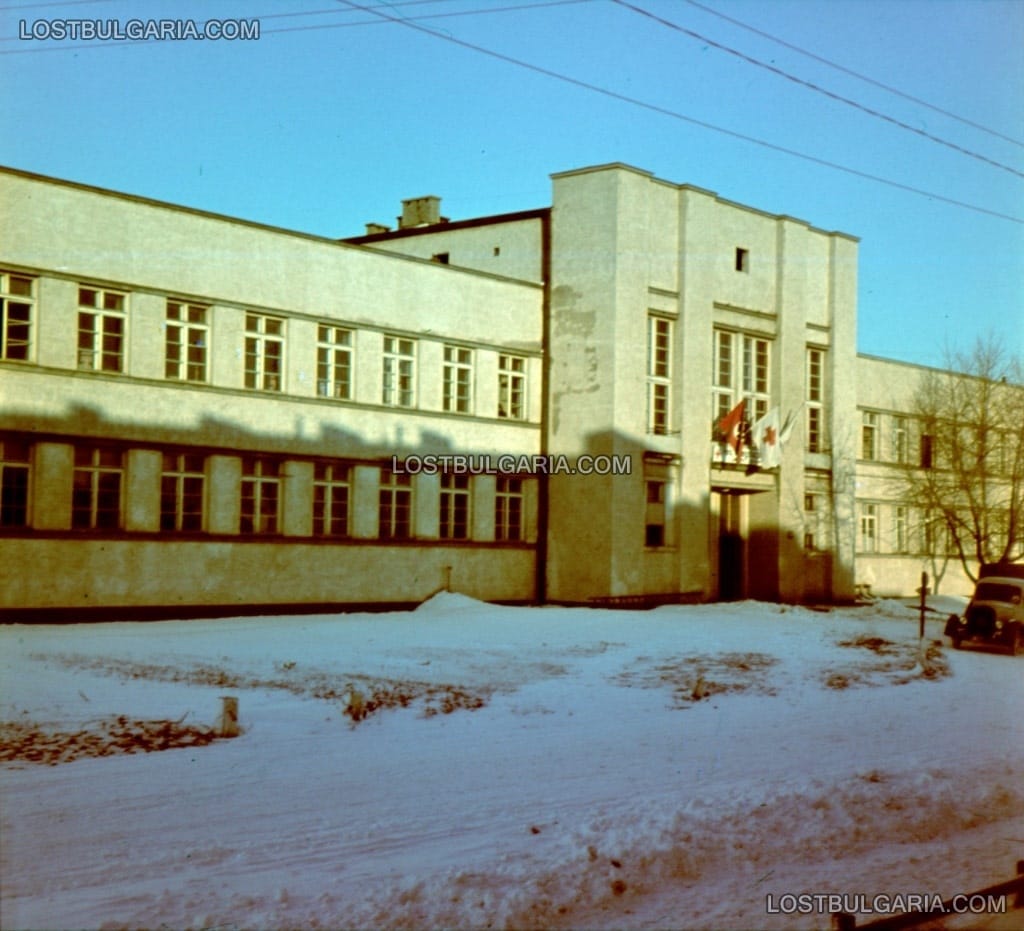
x=421, y=211
x=373, y=228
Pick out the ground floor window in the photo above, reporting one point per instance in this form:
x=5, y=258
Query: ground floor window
x=182, y=485
x=394, y=506
x=331, y=490
x=15, y=469
x=454, y=507
x=508, y=509
x=261, y=496
x=96, y=488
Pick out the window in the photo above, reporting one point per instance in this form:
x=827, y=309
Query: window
x=334, y=362
x=454, y=506
x=16, y=304
x=659, y=373
x=261, y=496
x=399, y=372
x=512, y=387
x=101, y=325
x=926, y=450
x=749, y=380
x=182, y=485
x=868, y=528
x=395, y=505
x=899, y=439
x=15, y=468
x=742, y=263
x=810, y=522
x=654, y=517
x=869, y=435
x=331, y=490
x=442, y=258
x=899, y=529
x=508, y=509
x=815, y=400
x=264, y=352
x=187, y=340
x=96, y=489
x=458, y=379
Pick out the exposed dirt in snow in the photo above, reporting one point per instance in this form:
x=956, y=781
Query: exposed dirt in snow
x=23, y=741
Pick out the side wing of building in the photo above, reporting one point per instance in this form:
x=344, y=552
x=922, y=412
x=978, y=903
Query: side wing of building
x=199, y=412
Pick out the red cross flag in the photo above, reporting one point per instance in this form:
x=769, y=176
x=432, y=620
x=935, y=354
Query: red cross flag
x=767, y=441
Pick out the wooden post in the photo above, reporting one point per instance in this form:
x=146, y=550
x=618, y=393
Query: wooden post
x=924, y=591
x=843, y=921
x=1018, y=902
x=227, y=723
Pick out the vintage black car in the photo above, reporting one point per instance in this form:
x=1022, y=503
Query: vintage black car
x=995, y=614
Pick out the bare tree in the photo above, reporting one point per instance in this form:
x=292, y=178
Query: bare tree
x=970, y=477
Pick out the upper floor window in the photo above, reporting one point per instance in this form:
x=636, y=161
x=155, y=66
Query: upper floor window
x=264, y=352
x=927, y=451
x=454, y=506
x=741, y=371
x=101, y=328
x=261, y=495
x=508, y=508
x=334, y=362
x=742, y=260
x=399, y=388
x=186, y=341
x=395, y=505
x=182, y=488
x=659, y=373
x=15, y=469
x=899, y=439
x=815, y=400
x=331, y=491
x=458, y=379
x=900, y=532
x=96, y=488
x=869, y=435
x=17, y=301
x=512, y=387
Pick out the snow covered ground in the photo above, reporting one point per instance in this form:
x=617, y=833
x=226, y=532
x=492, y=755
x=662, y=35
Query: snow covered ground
x=536, y=768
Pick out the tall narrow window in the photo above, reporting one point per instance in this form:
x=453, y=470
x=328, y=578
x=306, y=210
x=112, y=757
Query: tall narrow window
x=17, y=303
x=186, y=341
x=508, y=508
x=261, y=496
x=659, y=373
x=399, y=388
x=926, y=450
x=101, y=329
x=654, y=517
x=755, y=376
x=868, y=528
x=723, y=374
x=899, y=439
x=395, y=505
x=811, y=522
x=899, y=529
x=742, y=263
x=869, y=435
x=454, y=506
x=334, y=362
x=96, y=489
x=458, y=379
x=331, y=490
x=264, y=352
x=815, y=400
x=15, y=472
x=512, y=387
x=182, y=486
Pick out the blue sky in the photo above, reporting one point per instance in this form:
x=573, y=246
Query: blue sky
x=332, y=117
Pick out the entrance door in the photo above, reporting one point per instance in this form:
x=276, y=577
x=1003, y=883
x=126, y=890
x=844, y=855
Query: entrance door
x=731, y=548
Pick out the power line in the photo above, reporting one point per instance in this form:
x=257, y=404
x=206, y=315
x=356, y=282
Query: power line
x=664, y=111
x=856, y=74
x=817, y=88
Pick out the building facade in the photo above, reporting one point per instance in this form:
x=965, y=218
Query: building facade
x=201, y=414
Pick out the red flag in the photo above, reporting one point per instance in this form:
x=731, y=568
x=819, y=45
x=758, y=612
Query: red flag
x=730, y=428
